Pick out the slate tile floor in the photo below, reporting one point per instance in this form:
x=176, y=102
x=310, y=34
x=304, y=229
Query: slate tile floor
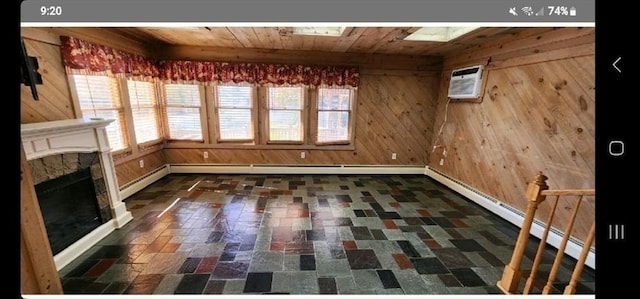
x=234, y=234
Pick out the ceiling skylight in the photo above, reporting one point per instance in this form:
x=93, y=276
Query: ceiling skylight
x=438, y=34
x=321, y=31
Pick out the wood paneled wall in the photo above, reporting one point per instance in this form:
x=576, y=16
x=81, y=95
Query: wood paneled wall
x=394, y=114
x=130, y=170
x=537, y=114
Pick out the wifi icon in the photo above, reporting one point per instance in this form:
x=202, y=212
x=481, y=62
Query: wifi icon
x=527, y=10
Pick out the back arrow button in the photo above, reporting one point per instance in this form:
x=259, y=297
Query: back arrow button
x=616, y=66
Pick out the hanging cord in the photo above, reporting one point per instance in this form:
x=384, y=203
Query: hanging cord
x=436, y=145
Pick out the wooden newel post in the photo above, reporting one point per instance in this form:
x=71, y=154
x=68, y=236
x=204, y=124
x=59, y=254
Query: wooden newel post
x=511, y=275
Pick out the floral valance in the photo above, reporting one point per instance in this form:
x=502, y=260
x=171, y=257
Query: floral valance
x=79, y=54
x=258, y=73
x=83, y=55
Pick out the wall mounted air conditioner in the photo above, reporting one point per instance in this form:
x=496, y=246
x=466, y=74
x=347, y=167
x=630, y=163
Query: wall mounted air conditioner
x=466, y=83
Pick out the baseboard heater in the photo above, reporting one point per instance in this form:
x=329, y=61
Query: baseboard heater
x=511, y=214
x=296, y=169
x=143, y=181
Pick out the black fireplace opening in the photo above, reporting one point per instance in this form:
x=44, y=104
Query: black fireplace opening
x=69, y=208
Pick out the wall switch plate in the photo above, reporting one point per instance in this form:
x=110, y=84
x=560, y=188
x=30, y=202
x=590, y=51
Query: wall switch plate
x=303, y=155
x=393, y=156
x=141, y=163
x=205, y=155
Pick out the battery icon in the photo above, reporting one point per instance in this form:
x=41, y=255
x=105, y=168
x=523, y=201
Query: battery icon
x=572, y=11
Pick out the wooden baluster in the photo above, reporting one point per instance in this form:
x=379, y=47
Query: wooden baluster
x=543, y=241
x=511, y=275
x=560, y=253
x=571, y=287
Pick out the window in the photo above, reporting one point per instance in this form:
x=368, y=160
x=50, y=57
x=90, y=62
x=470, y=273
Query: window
x=334, y=116
x=234, y=108
x=183, y=111
x=285, y=116
x=99, y=96
x=142, y=98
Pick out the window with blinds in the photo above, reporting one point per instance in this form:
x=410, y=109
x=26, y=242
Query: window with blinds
x=285, y=106
x=144, y=108
x=234, y=105
x=334, y=115
x=99, y=97
x=183, y=111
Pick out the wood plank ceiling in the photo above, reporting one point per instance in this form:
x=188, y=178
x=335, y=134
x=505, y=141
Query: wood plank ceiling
x=380, y=40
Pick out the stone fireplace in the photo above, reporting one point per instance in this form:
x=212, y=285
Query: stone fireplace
x=75, y=182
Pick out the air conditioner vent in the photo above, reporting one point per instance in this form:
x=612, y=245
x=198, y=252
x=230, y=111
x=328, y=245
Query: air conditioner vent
x=466, y=82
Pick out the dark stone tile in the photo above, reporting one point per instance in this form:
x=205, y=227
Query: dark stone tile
x=491, y=259
x=491, y=238
x=408, y=249
x=230, y=270
x=376, y=207
x=83, y=268
x=434, y=193
x=258, y=282
x=453, y=258
x=370, y=213
x=388, y=279
x=449, y=280
x=428, y=221
x=454, y=233
x=413, y=221
x=343, y=198
x=315, y=235
x=192, y=284
x=443, y=222
x=116, y=287
x=423, y=235
x=404, y=198
x=378, y=234
x=76, y=285
x=467, y=245
x=344, y=187
x=453, y=214
x=190, y=265
x=358, y=184
x=144, y=284
x=412, y=229
x=361, y=233
x=429, y=265
x=388, y=215
x=95, y=288
x=323, y=202
x=307, y=262
x=363, y=259
x=99, y=268
x=214, y=287
x=493, y=290
x=359, y=213
x=327, y=285
x=366, y=193
x=297, y=199
x=468, y=278
x=228, y=256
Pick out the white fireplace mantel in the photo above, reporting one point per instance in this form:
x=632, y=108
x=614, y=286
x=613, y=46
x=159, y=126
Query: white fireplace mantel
x=78, y=136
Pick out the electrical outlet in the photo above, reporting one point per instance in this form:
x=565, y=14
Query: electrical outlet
x=141, y=163
x=393, y=156
x=303, y=155
x=205, y=155
x=441, y=162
